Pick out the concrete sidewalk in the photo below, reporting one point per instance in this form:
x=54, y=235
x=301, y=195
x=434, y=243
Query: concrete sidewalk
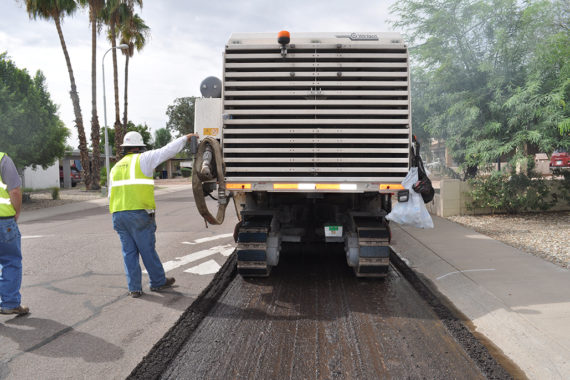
x=518, y=301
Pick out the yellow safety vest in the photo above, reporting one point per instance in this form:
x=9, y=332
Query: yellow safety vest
x=130, y=188
x=6, y=208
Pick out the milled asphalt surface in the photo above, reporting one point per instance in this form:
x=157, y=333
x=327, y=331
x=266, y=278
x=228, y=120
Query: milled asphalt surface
x=312, y=318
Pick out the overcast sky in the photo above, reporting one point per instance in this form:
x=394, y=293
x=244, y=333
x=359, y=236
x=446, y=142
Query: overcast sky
x=186, y=43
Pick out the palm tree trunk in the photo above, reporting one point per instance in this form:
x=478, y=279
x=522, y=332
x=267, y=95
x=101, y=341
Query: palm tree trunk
x=84, y=153
x=125, y=116
x=119, y=132
x=95, y=131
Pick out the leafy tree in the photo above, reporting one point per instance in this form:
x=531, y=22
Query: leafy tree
x=32, y=133
x=162, y=137
x=470, y=66
x=181, y=116
x=56, y=10
x=143, y=129
x=542, y=102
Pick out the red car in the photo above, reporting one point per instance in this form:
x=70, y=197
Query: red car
x=560, y=160
x=75, y=176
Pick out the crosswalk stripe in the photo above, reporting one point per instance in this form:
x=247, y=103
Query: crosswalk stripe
x=206, y=239
x=209, y=267
x=180, y=261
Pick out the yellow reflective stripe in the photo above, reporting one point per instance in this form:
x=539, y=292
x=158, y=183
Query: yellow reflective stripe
x=238, y=186
x=285, y=186
x=133, y=182
x=391, y=186
x=328, y=186
x=5, y=201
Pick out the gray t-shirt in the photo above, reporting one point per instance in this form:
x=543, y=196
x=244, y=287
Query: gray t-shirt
x=9, y=173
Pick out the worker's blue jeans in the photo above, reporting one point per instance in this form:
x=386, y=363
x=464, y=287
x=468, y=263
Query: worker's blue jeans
x=10, y=264
x=136, y=230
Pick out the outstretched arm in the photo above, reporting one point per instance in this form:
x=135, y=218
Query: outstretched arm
x=153, y=158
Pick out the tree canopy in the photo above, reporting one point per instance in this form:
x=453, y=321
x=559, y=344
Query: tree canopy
x=143, y=129
x=181, y=116
x=31, y=131
x=490, y=77
x=162, y=137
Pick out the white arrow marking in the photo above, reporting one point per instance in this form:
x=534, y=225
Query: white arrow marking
x=173, y=264
x=209, y=267
x=206, y=239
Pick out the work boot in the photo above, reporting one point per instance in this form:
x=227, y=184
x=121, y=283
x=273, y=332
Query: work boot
x=136, y=293
x=169, y=282
x=19, y=310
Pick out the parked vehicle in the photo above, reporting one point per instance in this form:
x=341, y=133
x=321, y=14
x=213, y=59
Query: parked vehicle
x=560, y=159
x=75, y=176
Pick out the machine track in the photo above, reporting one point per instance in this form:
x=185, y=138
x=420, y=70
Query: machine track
x=252, y=245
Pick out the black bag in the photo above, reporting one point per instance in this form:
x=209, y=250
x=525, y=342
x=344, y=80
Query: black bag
x=423, y=186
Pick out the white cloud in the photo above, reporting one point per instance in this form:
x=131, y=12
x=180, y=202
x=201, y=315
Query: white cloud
x=186, y=44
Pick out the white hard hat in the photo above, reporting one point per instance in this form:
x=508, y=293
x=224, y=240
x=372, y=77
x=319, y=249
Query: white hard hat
x=133, y=138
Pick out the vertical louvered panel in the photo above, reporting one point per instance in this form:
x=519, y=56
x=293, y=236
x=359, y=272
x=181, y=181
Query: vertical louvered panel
x=321, y=112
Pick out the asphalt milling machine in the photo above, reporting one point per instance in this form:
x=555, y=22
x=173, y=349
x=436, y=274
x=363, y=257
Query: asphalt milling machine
x=311, y=137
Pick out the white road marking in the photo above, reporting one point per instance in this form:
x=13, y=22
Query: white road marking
x=206, y=239
x=209, y=267
x=34, y=236
x=173, y=264
x=463, y=271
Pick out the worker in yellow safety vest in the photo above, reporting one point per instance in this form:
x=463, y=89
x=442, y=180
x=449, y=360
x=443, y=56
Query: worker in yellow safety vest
x=133, y=208
x=10, y=238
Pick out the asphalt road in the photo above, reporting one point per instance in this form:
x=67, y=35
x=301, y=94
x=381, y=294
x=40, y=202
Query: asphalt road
x=82, y=323
x=312, y=319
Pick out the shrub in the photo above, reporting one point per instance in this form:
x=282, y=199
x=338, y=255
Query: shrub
x=26, y=196
x=55, y=193
x=186, y=172
x=511, y=193
x=564, y=188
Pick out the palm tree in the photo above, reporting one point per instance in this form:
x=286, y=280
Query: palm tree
x=55, y=10
x=134, y=33
x=95, y=9
x=115, y=11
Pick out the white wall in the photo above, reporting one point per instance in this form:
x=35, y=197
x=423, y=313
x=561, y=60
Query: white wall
x=40, y=178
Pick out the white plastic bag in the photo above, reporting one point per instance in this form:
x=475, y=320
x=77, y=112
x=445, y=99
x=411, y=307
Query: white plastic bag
x=413, y=212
